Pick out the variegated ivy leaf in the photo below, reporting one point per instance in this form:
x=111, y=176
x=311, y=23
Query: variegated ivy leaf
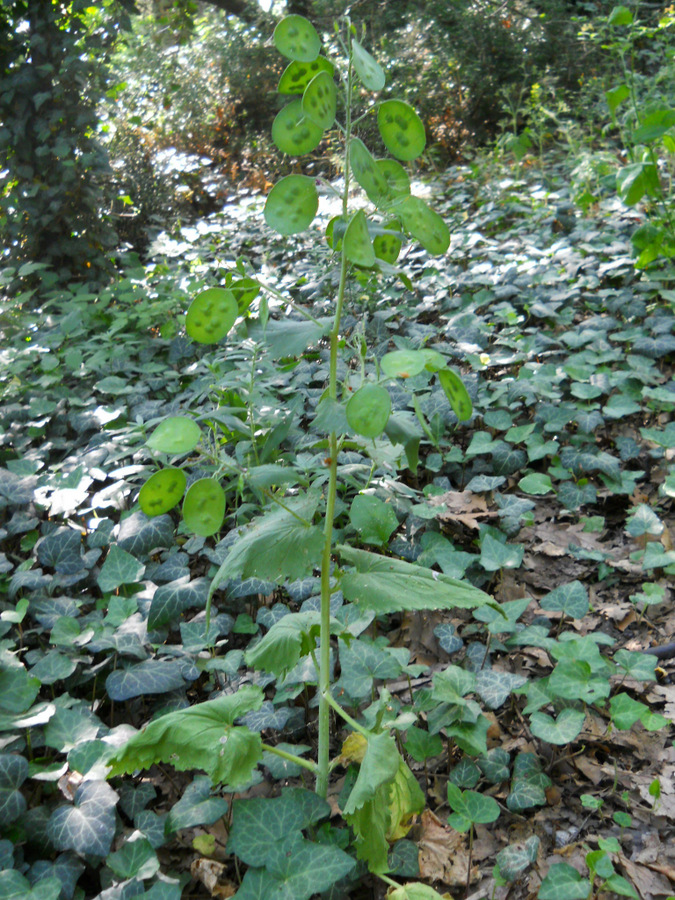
x=171, y=600
x=495, y=687
x=152, y=676
x=88, y=825
x=495, y=765
x=562, y=730
x=261, y=824
x=13, y=773
x=514, y=859
x=119, y=568
x=197, y=806
x=570, y=599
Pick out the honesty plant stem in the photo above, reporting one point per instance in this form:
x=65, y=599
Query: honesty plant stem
x=291, y=757
x=323, y=760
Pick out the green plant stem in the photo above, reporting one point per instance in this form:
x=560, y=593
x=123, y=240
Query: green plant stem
x=291, y=757
x=345, y=715
x=323, y=756
x=287, y=301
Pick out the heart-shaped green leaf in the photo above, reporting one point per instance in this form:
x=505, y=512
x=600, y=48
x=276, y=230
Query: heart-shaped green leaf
x=297, y=75
x=367, y=68
x=204, y=507
x=292, y=204
x=457, y=394
x=162, y=491
x=402, y=363
x=293, y=132
x=177, y=434
x=564, y=882
x=374, y=520
x=424, y=224
x=401, y=129
x=357, y=245
x=319, y=101
x=211, y=315
x=570, y=599
x=296, y=38
x=368, y=410
x=562, y=730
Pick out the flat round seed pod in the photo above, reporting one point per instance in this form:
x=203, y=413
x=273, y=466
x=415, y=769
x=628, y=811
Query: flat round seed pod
x=368, y=410
x=204, y=507
x=162, y=491
x=211, y=315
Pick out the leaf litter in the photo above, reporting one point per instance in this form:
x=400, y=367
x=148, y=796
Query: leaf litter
x=568, y=460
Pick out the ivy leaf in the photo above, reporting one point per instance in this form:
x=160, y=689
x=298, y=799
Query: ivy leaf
x=563, y=882
x=171, y=600
x=13, y=773
x=574, y=679
x=570, y=599
x=495, y=765
x=514, y=859
x=62, y=551
x=448, y=639
x=495, y=555
x=135, y=859
x=139, y=534
x=362, y=662
x=524, y=795
x=14, y=886
x=262, y=824
x=536, y=483
x=197, y=806
x=88, y=826
x=421, y=745
x=470, y=808
x=200, y=737
x=495, y=687
x=119, y=568
x=297, y=869
x=641, y=666
x=562, y=730
x=69, y=727
x=152, y=676
x=466, y=774
x=18, y=689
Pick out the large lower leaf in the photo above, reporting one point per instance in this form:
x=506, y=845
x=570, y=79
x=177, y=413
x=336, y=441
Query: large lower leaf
x=200, y=737
x=391, y=585
x=287, y=640
x=283, y=544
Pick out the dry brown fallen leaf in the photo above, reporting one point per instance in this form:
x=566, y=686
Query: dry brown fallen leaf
x=442, y=853
x=647, y=883
x=208, y=872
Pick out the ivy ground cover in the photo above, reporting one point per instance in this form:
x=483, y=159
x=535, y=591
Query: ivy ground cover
x=539, y=737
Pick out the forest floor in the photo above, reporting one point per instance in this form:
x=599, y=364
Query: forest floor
x=556, y=498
